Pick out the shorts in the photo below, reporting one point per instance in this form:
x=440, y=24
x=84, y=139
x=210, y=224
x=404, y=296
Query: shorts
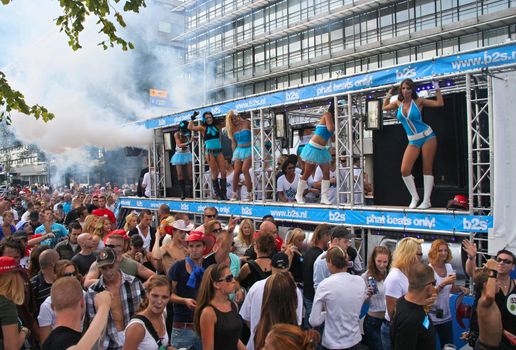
x=419, y=143
x=180, y=158
x=314, y=154
x=213, y=151
x=242, y=153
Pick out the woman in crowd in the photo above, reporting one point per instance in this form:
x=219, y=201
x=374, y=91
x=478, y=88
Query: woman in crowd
x=131, y=221
x=316, y=154
x=147, y=329
x=377, y=268
x=279, y=305
x=101, y=230
x=89, y=223
x=47, y=315
x=407, y=253
x=439, y=258
x=182, y=158
x=7, y=228
x=286, y=336
x=295, y=241
x=213, y=147
x=244, y=238
x=216, y=318
x=13, y=335
x=421, y=138
x=259, y=269
x=287, y=183
x=239, y=131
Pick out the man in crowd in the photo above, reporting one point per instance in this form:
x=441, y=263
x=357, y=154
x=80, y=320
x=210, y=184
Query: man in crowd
x=127, y=292
x=103, y=211
x=42, y=282
x=128, y=266
x=210, y=214
x=86, y=256
x=145, y=230
x=252, y=307
x=69, y=247
x=50, y=226
x=411, y=328
x=163, y=214
x=68, y=304
x=268, y=227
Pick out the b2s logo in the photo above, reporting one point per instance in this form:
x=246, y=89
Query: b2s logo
x=336, y=216
x=474, y=224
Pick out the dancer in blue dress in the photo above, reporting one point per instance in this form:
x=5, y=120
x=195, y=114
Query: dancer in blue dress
x=239, y=131
x=421, y=138
x=315, y=153
x=182, y=159
x=213, y=147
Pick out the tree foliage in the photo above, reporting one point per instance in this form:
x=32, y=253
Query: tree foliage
x=71, y=22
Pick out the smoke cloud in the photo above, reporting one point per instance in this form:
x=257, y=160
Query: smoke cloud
x=94, y=93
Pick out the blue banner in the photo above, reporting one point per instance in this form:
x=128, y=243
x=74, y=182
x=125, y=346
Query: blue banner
x=486, y=58
x=449, y=222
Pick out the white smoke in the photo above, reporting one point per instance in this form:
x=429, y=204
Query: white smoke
x=93, y=93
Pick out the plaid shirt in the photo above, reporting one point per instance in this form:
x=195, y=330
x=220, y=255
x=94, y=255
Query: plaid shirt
x=131, y=294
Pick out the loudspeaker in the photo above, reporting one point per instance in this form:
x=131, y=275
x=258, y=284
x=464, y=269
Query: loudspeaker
x=450, y=164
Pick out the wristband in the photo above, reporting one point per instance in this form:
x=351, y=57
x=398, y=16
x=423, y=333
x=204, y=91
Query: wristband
x=493, y=274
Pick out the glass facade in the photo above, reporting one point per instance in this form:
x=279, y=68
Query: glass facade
x=267, y=47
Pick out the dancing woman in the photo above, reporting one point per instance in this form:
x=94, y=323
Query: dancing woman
x=420, y=135
x=239, y=131
x=182, y=159
x=315, y=153
x=213, y=148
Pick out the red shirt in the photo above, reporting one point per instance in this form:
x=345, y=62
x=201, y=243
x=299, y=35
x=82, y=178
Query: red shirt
x=105, y=212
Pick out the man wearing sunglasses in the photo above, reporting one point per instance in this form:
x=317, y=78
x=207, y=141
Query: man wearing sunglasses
x=210, y=214
x=505, y=296
x=411, y=327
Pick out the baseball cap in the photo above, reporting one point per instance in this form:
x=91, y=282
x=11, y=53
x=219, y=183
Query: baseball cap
x=181, y=225
x=106, y=257
x=8, y=264
x=341, y=232
x=196, y=236
x=280, y=261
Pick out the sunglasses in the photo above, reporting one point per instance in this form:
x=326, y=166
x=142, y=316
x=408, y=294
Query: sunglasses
x=113, y=246
x=228, y=278
x=210, y=216
x=217, y=230
x=505, y=261
x=69, y=274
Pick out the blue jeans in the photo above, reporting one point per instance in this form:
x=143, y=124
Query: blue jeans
x=185, y=338
x=385, y=332
x=372, y=335
x=444, y=333
x=308, y=310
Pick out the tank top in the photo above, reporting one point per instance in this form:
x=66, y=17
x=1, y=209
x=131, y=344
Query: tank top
x=507, y=306
x=183, y=138
x=413, y=122
x=227, y=328
x=212, y=137
x=443, y=298
x=148, y=342
x=243, y=136
x=322, y=130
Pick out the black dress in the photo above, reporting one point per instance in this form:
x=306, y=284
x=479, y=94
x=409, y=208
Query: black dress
x=227, y=329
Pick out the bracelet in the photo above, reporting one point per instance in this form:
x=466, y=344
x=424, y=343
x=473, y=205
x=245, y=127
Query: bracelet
x=493, y=274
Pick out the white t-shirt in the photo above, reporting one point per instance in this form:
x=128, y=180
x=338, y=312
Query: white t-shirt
x=396, y=285
x=289, y=189
x=252, y=307
x=332, y=191
x=337, y=302
x=443, y=298
x=147, y=182
x=146, y=240
x=148, y=342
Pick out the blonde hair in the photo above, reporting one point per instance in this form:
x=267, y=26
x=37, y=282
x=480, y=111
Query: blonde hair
x=229, y=123
x=128, y=218
x=89, y=223
x=294, y=234
x=12, y=287
x=405, y=253
x=246, y=239
x=434, y=251
x=99, y=227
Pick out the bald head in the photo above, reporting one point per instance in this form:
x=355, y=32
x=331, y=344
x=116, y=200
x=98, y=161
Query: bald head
x=83, y=238
x=48, y=259
x=268, y=227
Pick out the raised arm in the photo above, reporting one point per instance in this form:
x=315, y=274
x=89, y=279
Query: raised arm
x=328, y=119
x=488, y=296
x=387, y=104
x=438, y=102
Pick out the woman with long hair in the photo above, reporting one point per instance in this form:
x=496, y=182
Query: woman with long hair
x=407, y=253
x=7, y=228
x=101, y=230
x=89, y=223
x=244, y=238
x=182, y=158
x=315, y=153
x=239, y=131
x=216, y=318
x=147, y=329
x=421, y=138
x=286, y=336
x=279, y=305
x=295, y=241
x=439, y=257
x=12, y=293
x=377, y=268
x=213, y=147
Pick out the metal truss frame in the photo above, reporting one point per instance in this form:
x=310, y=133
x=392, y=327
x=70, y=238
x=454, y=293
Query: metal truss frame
x=198, y=166
x=157, y=158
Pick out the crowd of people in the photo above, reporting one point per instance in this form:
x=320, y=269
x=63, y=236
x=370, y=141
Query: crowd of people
x=70, y=278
